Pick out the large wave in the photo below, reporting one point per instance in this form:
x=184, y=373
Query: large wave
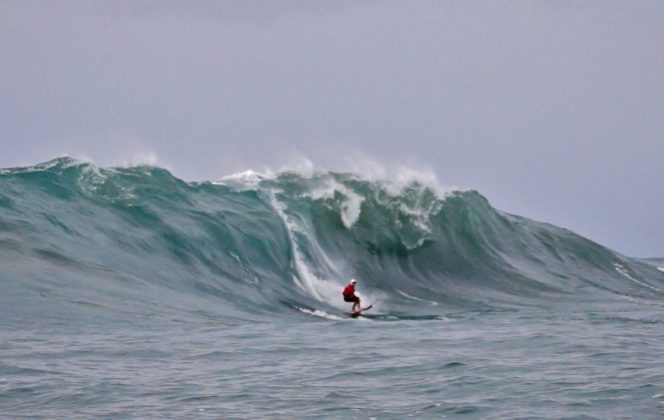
x=137, y=241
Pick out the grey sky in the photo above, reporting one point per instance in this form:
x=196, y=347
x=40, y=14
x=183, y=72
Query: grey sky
x=553, y=110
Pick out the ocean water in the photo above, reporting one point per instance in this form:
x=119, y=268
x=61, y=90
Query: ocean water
x=129, y=293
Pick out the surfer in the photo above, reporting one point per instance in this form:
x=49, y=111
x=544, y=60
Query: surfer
x=350, y=296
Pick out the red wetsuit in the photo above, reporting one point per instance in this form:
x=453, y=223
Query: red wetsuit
x=349, y=294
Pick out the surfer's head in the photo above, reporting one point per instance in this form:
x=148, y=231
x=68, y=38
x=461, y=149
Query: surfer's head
x=353, y=281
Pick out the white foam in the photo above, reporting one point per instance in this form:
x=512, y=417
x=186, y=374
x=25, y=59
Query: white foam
x=91, y=178
x=304, y=277
x=395, y=178
x=402, y=293
x=392, y=184
x=248, y=178
x=45, y=166
x=622, y=270
x=421, y=217
x=126, y=159
x=351, y=202
x=350, y=210
x=660, y=269
x=321, y=313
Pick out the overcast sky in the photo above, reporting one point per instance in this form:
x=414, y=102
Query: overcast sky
x=553, y=110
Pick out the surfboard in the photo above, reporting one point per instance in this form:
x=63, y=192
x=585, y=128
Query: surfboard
x=359, y=311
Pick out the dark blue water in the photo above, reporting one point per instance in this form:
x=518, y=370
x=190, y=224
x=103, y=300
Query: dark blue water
x=127, y=293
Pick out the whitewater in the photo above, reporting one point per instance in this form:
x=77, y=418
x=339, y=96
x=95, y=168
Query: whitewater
x=126, y=292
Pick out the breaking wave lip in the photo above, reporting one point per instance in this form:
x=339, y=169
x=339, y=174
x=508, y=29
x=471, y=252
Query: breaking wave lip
x=265, y=243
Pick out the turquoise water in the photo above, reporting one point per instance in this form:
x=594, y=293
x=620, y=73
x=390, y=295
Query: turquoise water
x=127, y=292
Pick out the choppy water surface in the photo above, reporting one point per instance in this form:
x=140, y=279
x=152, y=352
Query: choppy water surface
x=482, y=365
x=126, y=292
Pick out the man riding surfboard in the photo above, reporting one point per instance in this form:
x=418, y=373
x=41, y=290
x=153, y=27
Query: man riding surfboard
x=350, y=296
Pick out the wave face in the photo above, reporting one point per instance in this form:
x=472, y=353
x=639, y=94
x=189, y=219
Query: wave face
x=78, y=239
